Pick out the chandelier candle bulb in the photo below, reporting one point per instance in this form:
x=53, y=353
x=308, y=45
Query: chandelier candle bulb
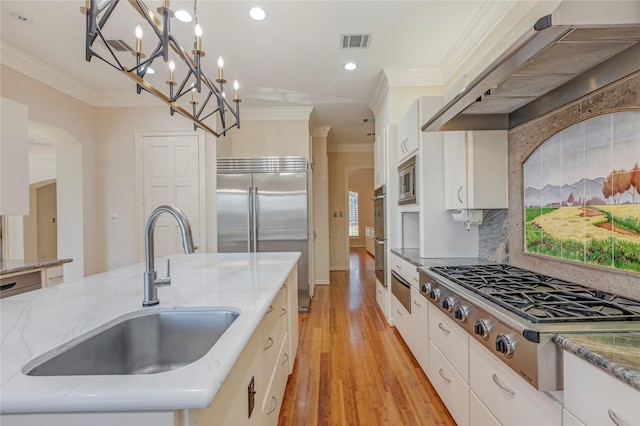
x=236, y=86
x=193, y=96
x=139, y=34
x=198, y=37
x=220, y=66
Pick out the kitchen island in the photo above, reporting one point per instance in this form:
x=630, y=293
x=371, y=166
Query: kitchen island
x=39, y=321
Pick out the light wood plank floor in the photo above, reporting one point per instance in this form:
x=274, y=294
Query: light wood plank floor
x=351, y=367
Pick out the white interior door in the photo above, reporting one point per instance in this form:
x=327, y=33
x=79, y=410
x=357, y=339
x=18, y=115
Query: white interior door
x=171, y=176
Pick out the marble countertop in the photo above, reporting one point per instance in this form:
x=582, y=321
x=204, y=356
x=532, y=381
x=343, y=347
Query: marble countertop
x=36, y=322
x=618, y=354
x=13, y=266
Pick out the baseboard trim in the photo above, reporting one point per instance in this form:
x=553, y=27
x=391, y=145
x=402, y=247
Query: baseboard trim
x=322, y=282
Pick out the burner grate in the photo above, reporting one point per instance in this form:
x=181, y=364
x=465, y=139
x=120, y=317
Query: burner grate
x=540, y=298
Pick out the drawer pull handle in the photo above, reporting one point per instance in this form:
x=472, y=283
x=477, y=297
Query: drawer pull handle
x=415, y=279
x=398, y=266
x=269, y=310
x=441, y=327
x=441, y=373
x=614, y=418
x=379, y=291
x=284, y=285
x=275, y=405
x=398, y=311
x=459, y=197
x=286, y=358
x=415, y=302
x=56, y=277
x=269, y=345
x=284, y=312
x=500, y=385
x=8, y=286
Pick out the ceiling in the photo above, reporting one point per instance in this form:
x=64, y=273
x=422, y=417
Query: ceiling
x=291, y=59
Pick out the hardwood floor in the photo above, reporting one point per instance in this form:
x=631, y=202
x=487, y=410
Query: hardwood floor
x=351, y=367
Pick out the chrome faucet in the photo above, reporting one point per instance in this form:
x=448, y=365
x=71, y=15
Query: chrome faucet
x=151, y=283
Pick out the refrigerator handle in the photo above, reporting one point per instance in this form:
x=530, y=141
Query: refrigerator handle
x=255, y=219
x=249, y=218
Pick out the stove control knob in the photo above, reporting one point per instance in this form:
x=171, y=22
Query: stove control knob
x=435, y=294
x=482, y=329
x=462, y=313
x=505, y=346
x=425, y=288
x=448, y=303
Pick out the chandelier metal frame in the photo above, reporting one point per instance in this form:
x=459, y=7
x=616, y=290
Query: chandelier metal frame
x=214, y=97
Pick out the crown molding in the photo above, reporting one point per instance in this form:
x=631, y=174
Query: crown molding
x=475, y=33
x=379, y=93
x=350, y=147
x=321, y=132
x=413, y=76
x=37, y=70
x=276, y=113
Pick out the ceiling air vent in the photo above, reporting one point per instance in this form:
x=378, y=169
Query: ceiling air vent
x=355, y=41
x=119, y=45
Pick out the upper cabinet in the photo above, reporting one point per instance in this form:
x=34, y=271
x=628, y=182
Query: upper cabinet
x=14, y=158
x=408, y=132
x=380, y=158
x=475, y=173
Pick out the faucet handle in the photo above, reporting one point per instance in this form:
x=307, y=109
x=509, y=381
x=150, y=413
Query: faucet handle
x=162, y=282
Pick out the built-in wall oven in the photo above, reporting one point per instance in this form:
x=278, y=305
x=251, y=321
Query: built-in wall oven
x=380, y=239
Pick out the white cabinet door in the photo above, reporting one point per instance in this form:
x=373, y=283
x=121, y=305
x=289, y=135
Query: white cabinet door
x=595, y=397
x=408, y=133
x=380, y=158
x=14, y=158
x=419, y=342
x=401, y=319
x=381, y=298
x=475, y=174
x=455, y=170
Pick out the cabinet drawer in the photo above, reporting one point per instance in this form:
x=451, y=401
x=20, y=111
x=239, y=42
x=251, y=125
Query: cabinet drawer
x=55, y=275
x=451, y=340
x=451, y=388
x=381, y=298
x=509, y=398
x=401, y=319
x=273, y=399
x=479, y=414
x=20, y=284
x=406, y=270
x=590, y=394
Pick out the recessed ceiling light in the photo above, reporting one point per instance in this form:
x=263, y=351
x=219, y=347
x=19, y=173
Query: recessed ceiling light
x=257, y=14
x=350, y=66
x=21, y=17
x=183, y=16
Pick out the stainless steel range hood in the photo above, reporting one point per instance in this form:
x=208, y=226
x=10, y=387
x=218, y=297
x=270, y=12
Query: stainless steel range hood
x=546, y=68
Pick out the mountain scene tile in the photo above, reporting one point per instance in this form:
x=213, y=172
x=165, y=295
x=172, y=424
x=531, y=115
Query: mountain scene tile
x=582, y=193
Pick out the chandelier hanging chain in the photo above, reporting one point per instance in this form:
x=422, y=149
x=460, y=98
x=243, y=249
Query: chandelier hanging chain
x=98, y=16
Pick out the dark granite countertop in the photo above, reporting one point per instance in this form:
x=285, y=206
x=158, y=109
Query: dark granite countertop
x=618, y=354
x=411, y=255
x=13, y=266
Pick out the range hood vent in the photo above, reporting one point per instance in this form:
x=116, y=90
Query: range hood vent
x=546, y=68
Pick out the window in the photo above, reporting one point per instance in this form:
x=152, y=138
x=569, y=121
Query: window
x=354, y=229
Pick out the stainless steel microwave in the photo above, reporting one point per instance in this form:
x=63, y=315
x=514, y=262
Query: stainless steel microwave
x=407, y=174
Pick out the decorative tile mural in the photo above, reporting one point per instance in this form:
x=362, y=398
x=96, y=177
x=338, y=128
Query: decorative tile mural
x=582, y=193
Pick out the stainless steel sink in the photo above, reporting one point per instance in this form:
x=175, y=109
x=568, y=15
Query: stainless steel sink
x=142, y=342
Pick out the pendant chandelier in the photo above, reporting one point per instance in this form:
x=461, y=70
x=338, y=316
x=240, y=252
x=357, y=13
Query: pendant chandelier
x=196, y=96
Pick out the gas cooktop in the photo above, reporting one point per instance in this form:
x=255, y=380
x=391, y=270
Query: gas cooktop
x=539, y=298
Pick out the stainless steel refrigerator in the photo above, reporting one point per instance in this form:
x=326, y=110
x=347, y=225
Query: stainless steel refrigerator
x=262, y=207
